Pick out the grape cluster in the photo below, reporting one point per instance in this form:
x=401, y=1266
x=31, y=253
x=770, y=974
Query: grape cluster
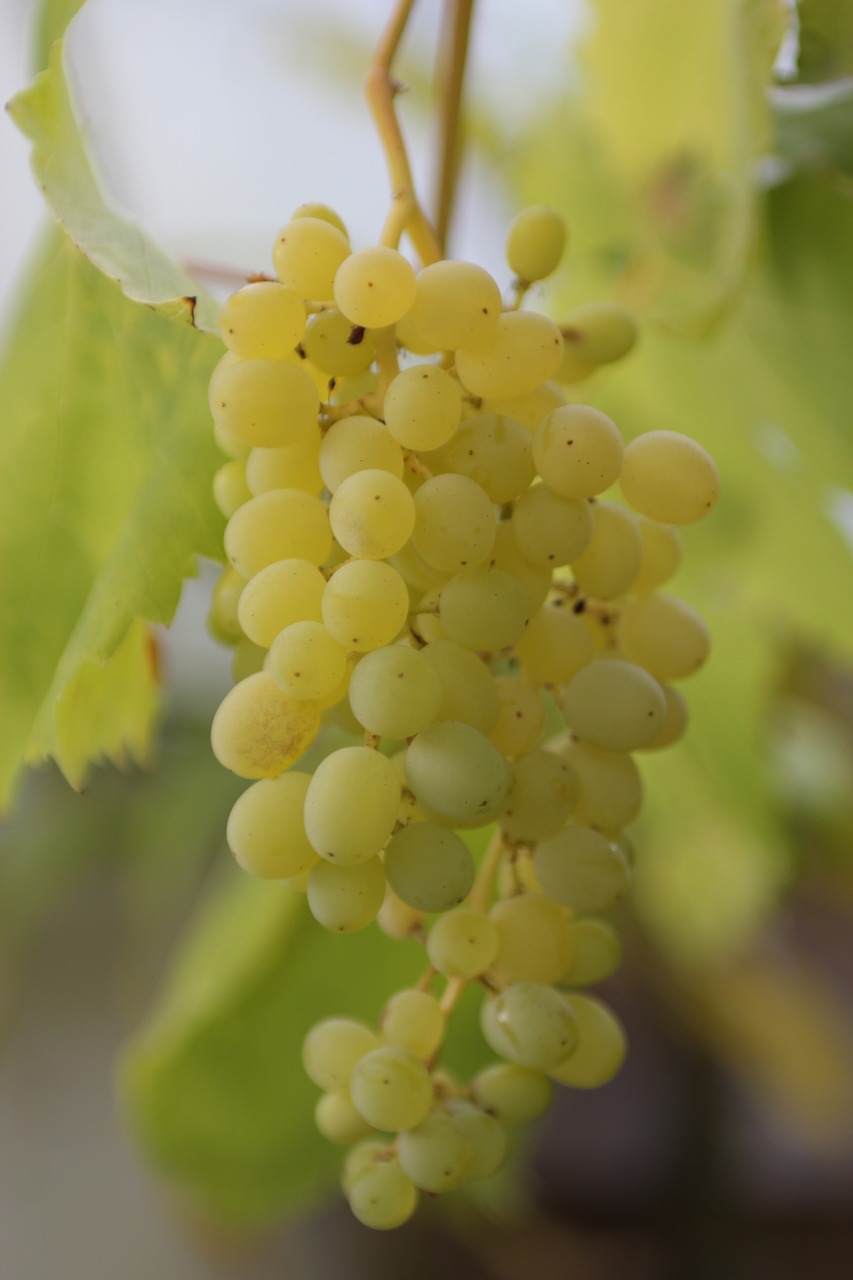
x=419, y=552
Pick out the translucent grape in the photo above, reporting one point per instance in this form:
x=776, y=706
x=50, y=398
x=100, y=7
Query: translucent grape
x=599, y=332
x=395, y=692
x=423, y=406
x=306, y=662
x=535, y=940
x=669, y=477
x=365, y=604
x=457, y=774
x=351, y=805
x=664, y=635
x=292, y=466
x=230, y=489
x=357, y=444
x=515, y=1095
x=455, y=523
x=456, y=304
x=615, y=705
x=345, y=899
x=331, y=1050
x=661, y=555
x=598, y=952
x=611, y=790
x=337, y=1119
x=266, y=832
x=263, y=402
x=520, y=717
x=608, y=565
x=581, y=868
x=262, y=320
x=578, y=451
x=535, y=242
x=307, y=254
x=468, y=690
x=383, y=1197
x=525, y=350
x=372, y=514
x=413, y=1020
x=375, y=287
x=484, y=609
x=336, y=346
x=485, y=1136
x=283, y=524
x=463, y=943
x=392, y=1089
x=675, y=721
x=530, y=1024
x=284, y=592
x=549, y=530
x=492, y=450
x=556, y=644
x=601, y=1045
x=435, y=1154
x=542, y=795
x=428, y=866
x=258, y=731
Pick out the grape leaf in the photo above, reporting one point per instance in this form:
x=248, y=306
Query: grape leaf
x=45, y=114
x=108, y=455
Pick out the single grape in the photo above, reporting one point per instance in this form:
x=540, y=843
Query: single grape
x=372, y=514
x=543, y=793
x=599, y=332
x=550, y=531
x=515, y=1095
x=285, y=592
x=351, y=805
x=484, y=609
x=365, y=604
x=436, y=1154
x=337, y=1119
x=578, y=451
x=337, y=346
x=485, y=1136
x=463, y=943
x=530, y=1024
x=414, y=1020
x=468, y=689
x=524, y=351
x=665, y=636
x=535, y=939
x=263, y=402
x=281, y=525
x=262, y=320
x=291, y=466
x=457, y=774
x=615, y=705
x=555, y=646
x=395, y=692
x=457, y=304
x=266, y=832
x=609, y=564
x=357, y=444
x=611, y=790
x=494, y=451
x=331, y=1050
x=391, y=1089
x=669, y=477
x=346, y=898
x=598, y=952
x=258, y=731
x=428, y=866
x=454, y=524
x=581, y=868
x=375, y=287
x=382, y=1197
x=306, y=662
x=423, y=405
x=307, y=254
x=535, y=242
x=230, y=489
x=601, y=1045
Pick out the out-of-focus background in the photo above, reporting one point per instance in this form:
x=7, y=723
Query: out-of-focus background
x=703, y=156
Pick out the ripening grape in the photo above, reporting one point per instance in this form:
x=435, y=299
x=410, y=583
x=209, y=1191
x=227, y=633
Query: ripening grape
x=337, y=1119
x=457, y=304
x=530, y=1024
x=290, y=466
x=283, y=524
x=675, y=721
x=263, y=402
x=550, y=531
x=374, y=287
x=262, y=320
x=525, y=350
x=351, y=805
x=331, y=1050
x=266, y=831
x=661, y=555
x=535, y=243
x=535, y=939
x=356, y=444
x=556, y=644
x=599, y=333
x=372, y=514
x=346, y=898
x=610, y=789
x=428, y=866
x=455, y=523
x=423, y=406
x=598, y=952
x=578, y=451
x=414, y=1020
x=492, y=450
x=365, y=604
x=337, y=346
x=581, y=868
x=516, y=1095
x=521, y=717
x=395, y=692
x=258, y=731
x=615, y=705
x=282, y=593
x=382, y=1197
x=484, y=1136
x=307, y=254
x=468, y=689
x=435, y=1154
x=230, y=489
x=665, y=636
x=600, y=1049
x=669, y=477
x=484, y=609
x=463, y=943
x=458, y=776
x=543, y=793
x=391, y=1089
x=306, y=662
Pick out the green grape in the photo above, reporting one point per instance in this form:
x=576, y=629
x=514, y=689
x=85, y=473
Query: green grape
x=224, y=620
x=355, y=388
x=611, y=790
x=292, y=466
x=315, y=209
x=457, y=304
x=581, y=868
x=428, y=866
x=258, y=731
x=455, y=523
x=284, y=592
x=525, y=350
x=395, y=692
x=230, y=489
x=529, y=409
x=578, y=451
x=550, y=531
x=665, y=636
x=530, y=1024
x=506, y=556
x=375, y=287
x=436, y=1154
x=661, y=555
x=351, y=805
x=361, y=1158
x=514, y=1095
x=611, y=560
x=383, y=1197
x=331, y=1050
x=494, y=451
x=283, y=524
x=484, y=609
x=246, y=660
x=615, y=705
x=599, y=332
x=337, y=1119
x=669, y=477
x=414, y=1020
x=542, y=795
x=365, y=604
x=601, y=1045
x=535, y=939
x=598, y=952
x=263, y=402
x=306, y=662
x=675, y=721
x=357, y=444
x=484, y=1135
x=520, y=718
x=556, y=645
x=535, y=242
x=307, y=254
x=391, y=1089
x=372, y=514
x=458, y=776
x=345, y=899
x=468, y=690
x=336, y=346
x=462, y=944
x=263, y=320
x=423, y=406
x=397, y=919
x=266, y=832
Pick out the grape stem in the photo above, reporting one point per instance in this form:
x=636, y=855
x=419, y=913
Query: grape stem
x=457, y=31
x=380, y=90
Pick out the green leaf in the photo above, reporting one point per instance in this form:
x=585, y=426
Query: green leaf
x=109, y=456
x=825, y=39
x=63, y=171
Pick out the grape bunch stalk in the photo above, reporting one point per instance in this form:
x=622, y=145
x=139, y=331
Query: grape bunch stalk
x=419, y=553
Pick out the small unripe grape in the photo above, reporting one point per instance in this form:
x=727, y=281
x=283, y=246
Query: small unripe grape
x=535, y=243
